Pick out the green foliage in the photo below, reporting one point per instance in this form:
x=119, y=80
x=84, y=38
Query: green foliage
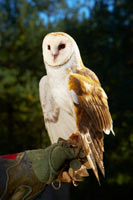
x=21, y=67
x=105, y=40
x=20, y=109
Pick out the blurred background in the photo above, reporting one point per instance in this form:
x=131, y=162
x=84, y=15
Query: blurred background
x=104, y=33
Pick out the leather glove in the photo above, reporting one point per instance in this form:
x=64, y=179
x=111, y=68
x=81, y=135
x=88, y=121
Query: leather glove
x=25, y=175
x=47, y=163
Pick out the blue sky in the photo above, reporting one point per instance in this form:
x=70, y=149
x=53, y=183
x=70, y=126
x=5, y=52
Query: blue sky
x=71, y=4
x=83, y=12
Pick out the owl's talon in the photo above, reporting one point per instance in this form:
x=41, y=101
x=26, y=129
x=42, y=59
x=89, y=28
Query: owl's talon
x=74, y=183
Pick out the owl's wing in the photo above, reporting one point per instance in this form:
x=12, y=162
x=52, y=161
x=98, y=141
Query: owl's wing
x=58, y=122
x=92, y=115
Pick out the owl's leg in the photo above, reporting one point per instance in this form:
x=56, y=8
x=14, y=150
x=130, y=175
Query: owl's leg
x=69, y=142
x=74, y=140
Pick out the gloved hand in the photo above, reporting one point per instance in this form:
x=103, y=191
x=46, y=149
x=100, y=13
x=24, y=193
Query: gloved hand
x=47, y=163
x=25, y=174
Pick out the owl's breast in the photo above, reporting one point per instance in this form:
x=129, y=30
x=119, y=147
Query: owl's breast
x=61, y=95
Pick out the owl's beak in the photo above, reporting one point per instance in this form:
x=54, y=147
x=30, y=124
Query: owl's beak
x=55, y=55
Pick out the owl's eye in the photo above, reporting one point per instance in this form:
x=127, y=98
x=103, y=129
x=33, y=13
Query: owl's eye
x=49, y=47
x=61, y=46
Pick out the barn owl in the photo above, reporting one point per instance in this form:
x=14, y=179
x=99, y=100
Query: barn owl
x=72, y=99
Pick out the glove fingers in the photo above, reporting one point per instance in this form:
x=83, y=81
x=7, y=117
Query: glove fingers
x=75, y=164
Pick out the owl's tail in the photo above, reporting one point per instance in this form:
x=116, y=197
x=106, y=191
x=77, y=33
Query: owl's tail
x=93, y=156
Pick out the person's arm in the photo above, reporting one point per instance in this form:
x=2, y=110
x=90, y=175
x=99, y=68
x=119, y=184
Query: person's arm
x=24, y=175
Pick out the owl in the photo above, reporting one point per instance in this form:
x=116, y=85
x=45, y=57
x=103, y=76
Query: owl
x=72, y=99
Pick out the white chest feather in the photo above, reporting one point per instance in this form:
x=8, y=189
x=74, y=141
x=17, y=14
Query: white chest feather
x=58, y=83
x=61, y=94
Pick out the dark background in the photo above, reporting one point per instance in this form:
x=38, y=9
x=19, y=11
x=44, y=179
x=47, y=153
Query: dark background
x=104, y=33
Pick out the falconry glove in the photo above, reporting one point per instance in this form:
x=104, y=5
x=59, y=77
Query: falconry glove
x=24, y=175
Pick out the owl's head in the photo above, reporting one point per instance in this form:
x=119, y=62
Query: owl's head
x=58, y=48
